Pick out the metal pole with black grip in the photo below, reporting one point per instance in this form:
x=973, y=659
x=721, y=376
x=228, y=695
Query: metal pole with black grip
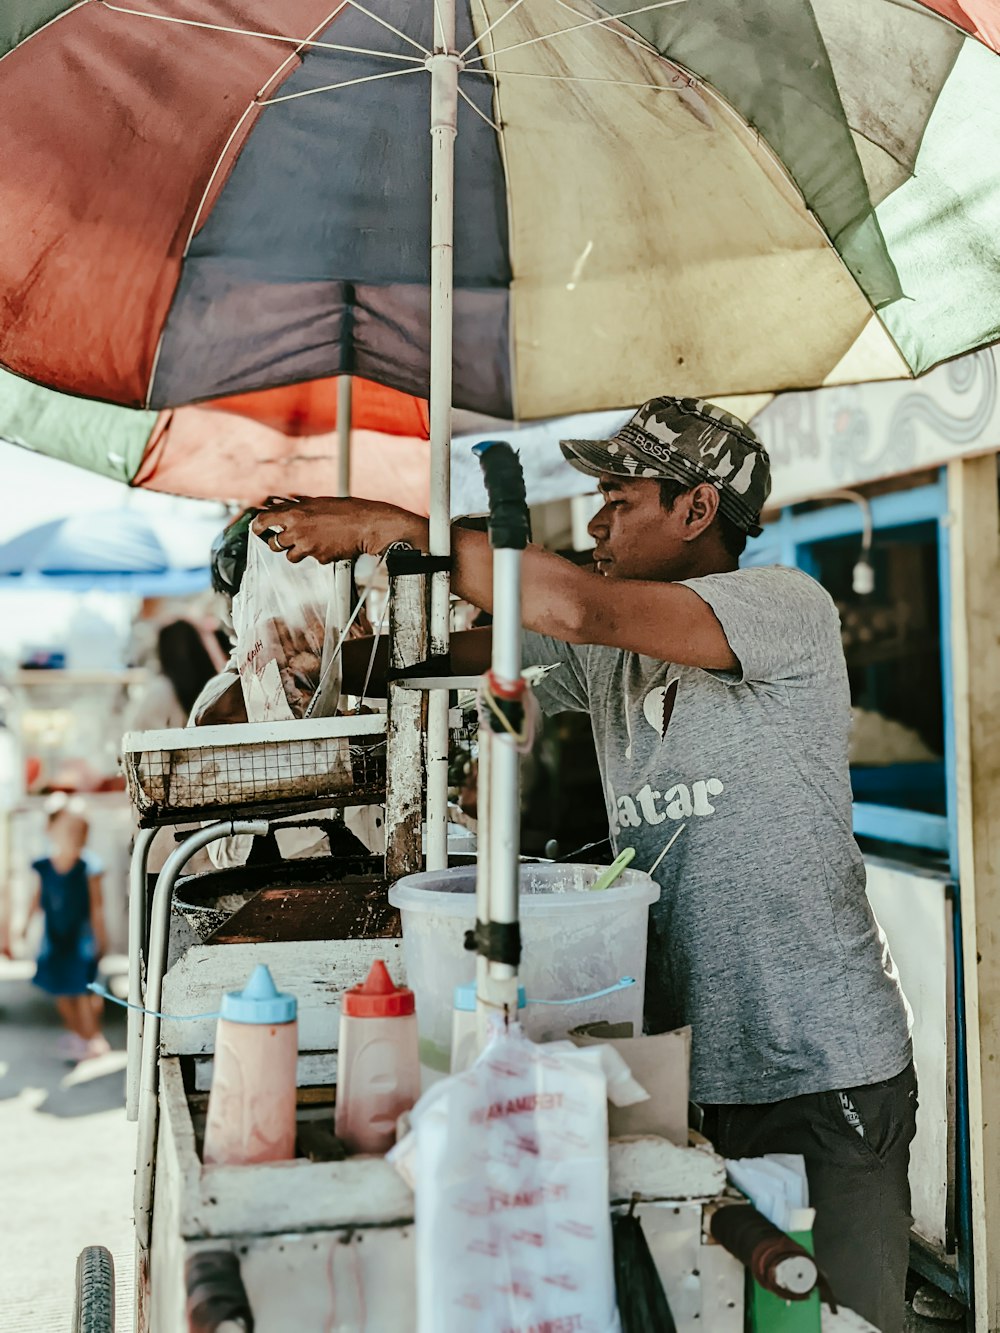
x=502, y=712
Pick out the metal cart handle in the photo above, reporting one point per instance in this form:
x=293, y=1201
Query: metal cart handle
x=156, y=962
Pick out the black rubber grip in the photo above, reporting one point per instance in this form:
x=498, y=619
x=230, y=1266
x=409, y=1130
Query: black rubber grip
x=504, y=480
x=498, y=941
x=415, y=562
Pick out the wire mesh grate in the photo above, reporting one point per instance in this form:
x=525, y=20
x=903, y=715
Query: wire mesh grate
x=166, y=782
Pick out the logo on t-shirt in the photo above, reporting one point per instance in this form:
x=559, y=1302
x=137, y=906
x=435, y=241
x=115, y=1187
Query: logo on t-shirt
x=657, y=709
x=658, y=706
x=668, y=800
x=680, y=800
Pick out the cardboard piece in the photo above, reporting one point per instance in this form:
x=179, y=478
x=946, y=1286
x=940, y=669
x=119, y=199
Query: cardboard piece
x=662, y=1064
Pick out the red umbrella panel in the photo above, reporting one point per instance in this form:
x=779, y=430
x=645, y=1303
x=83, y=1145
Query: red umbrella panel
x=210, y=454
x=232, y=451
x=311, y=408
x=981, y=18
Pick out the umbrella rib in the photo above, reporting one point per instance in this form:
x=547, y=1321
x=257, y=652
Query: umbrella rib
x=376, y=18
x=641, y=42
x=210, y=183
x=486, y=31
x=602, y=22
x=481, y=114
x=347, y=83
x=298, y=42
x=575, y=78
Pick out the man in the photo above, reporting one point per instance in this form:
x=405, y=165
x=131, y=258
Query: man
x=719, y=700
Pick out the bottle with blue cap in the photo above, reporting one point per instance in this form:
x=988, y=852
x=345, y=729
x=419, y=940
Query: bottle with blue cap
x=251, y=1108
x=464, y=1026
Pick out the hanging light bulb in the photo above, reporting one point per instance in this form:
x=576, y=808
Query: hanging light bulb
x=863, y=574
x=863, y=578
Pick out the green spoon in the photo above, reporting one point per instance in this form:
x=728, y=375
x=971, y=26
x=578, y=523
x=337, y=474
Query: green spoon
x=605, y=880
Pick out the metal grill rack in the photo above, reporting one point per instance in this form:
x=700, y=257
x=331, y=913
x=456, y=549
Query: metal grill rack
x=255, y=767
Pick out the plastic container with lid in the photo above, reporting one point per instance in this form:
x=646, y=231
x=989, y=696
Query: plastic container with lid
x=378, y=1070
x=575, y=942
x=251, y=1107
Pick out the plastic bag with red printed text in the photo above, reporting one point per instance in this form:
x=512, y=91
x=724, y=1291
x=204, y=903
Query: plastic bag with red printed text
x=509, y=1163
x=287, y=622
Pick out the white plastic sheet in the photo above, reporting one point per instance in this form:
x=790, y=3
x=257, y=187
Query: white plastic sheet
x=509, y=1163
x=287, y=622
x=777, y=1186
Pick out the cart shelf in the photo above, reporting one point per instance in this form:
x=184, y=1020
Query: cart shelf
x=258, y=768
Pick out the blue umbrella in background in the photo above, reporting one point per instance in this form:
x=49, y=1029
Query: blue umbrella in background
x=115, y=550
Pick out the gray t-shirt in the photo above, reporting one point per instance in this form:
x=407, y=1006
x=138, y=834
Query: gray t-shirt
x=763, y=939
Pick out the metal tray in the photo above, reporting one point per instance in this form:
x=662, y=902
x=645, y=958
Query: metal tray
x=255, y=767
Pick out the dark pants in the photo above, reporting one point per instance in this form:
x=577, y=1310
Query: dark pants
x=858, y=1185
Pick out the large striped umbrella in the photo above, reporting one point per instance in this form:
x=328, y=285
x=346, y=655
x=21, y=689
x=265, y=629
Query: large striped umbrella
x=207, y=197
x=212, y=197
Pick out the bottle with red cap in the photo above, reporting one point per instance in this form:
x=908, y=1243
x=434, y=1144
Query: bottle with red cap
x=378, y=1066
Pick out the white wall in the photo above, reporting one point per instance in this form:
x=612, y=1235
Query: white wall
x=912, y=909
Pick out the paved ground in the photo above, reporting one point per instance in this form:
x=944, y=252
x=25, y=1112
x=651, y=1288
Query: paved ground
x=66, y=1163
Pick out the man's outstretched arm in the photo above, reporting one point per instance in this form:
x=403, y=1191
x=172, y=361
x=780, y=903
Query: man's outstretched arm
x=662, y=620
x=469, y=652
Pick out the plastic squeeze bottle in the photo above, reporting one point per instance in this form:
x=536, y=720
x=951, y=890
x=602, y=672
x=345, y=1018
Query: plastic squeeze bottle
x=251, y=1108
x=378, y=1068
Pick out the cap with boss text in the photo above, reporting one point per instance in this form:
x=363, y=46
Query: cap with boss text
x=690, y=441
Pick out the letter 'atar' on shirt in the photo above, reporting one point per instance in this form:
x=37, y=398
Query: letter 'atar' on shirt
x=763, y=939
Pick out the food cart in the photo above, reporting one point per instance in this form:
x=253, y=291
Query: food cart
x=325, y=1240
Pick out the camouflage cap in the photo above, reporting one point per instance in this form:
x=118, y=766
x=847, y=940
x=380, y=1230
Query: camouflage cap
x=690, y=441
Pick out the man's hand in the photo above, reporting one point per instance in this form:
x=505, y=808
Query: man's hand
x=337, y=529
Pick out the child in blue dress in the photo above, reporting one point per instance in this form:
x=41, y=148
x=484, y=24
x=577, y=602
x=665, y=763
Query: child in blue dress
x=69, y=895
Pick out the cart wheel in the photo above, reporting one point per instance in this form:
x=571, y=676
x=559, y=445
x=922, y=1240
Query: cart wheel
x=94, y=1306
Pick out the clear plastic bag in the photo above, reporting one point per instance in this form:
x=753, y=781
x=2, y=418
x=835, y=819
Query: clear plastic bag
x=509, y=1163
x=287, y=619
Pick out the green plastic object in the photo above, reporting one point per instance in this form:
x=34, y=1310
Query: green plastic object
x=770, y=1314
x=624, y=858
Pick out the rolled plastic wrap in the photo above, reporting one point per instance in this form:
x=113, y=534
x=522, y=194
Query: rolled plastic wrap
x=778, y=1263
x=216, y=1295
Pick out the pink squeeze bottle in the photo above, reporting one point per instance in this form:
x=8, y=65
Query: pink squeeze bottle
x=251, y=1108
x=378, y=1069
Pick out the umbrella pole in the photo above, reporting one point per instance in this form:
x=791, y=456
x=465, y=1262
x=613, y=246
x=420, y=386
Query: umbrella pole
x=345, y=388
x=444, y=67
x=344, y=414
